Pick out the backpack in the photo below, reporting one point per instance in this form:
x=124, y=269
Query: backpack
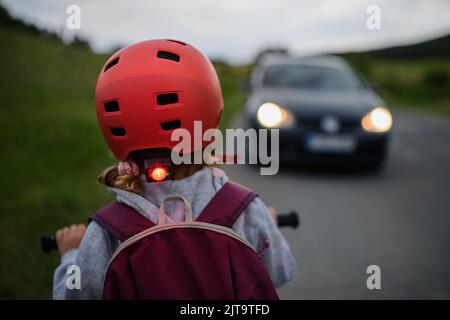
x=202, y=259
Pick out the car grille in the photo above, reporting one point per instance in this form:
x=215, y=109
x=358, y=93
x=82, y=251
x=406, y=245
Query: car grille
x=313, y=124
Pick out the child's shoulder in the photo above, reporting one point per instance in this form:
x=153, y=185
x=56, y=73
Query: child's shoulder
x=219, y=177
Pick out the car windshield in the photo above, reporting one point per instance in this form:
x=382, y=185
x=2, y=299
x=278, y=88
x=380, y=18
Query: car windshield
x=309, y=77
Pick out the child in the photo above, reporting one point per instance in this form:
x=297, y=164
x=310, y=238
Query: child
x=143, y=93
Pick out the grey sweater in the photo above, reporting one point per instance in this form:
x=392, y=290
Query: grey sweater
x=97, y=247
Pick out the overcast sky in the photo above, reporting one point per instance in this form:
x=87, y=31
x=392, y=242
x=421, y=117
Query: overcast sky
x=236, y=30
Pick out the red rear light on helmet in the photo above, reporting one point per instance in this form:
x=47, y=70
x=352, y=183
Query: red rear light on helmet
x=157, y=174
x=157, y=169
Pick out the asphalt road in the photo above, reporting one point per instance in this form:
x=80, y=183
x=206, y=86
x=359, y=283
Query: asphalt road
x=398, y=219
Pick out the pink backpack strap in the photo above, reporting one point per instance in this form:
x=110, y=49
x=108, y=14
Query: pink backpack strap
x=121, y=221
x=224, y=209
x=227, y=205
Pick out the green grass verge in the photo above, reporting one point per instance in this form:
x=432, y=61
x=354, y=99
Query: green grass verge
x=421, y=85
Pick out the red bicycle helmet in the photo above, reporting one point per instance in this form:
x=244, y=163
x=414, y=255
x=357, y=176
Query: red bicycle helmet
x=148, y=89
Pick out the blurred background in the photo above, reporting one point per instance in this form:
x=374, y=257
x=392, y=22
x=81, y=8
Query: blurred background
x=397, y=217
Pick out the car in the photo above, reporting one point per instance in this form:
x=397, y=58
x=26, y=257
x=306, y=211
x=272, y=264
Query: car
x=325, y=111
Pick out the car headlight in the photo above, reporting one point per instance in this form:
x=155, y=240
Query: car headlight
x=271, y=115
x=377, y=120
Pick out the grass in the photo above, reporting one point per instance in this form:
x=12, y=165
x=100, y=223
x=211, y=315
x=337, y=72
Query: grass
x=52, y=150
x=408, y=84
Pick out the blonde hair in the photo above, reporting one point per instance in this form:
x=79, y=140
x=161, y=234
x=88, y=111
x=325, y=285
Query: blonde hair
x=111, y=178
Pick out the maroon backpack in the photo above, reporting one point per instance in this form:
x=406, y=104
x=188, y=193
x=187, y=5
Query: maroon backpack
x=202, y=259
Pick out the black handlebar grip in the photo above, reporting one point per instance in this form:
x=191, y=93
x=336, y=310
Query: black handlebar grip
x=290, y=219
x=48, y=243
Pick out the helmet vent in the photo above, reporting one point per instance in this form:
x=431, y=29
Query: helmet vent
x=168, y=55
x=111, y=64
x=111, y=106
x=167, y=98
x=170, y=125
x=118, y=132
x=176, y=41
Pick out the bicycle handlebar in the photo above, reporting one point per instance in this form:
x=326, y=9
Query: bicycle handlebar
x=291, y=219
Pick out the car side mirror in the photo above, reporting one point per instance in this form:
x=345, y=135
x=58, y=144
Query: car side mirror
x=246, y=86
x=375, y=86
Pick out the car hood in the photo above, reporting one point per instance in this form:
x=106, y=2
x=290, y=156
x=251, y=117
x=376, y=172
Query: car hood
x=301, y=101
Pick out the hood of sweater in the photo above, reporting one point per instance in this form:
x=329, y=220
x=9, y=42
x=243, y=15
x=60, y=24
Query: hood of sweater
x=197, y=189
